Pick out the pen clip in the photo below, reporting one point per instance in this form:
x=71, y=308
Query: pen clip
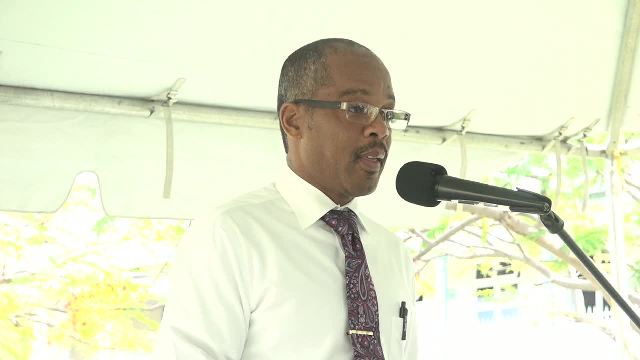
x=404, y=312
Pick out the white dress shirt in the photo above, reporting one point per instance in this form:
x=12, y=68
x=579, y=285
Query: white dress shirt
x=264, y=279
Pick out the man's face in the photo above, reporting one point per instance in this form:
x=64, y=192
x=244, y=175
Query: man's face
x=342, y=158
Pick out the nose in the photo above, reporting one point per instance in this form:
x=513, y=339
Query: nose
x=378, y=128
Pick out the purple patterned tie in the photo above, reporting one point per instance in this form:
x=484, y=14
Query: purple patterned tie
x=362, y=302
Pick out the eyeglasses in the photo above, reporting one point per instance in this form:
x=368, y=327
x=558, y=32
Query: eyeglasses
x=362, y=113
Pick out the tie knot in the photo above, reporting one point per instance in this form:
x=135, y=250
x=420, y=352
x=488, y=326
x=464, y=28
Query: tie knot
x=341, y=221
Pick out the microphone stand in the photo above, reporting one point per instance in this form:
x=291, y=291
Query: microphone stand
x=524, y=201
x=555, y=225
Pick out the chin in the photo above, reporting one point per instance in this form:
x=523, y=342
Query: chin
x=368, y=188
x=362, y=184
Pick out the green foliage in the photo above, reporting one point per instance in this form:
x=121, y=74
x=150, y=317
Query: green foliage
x=592, y=240
x=86, y=285
x=589, y=227
x=102, y=312
x=529, y=243
x=508, y=293
x=486, y=269
x=534, y=236
x=557, y=266
x=425, y=284
x=103, y=225
x=484, y=225
x=485, y=294
x=635, y=275
x=438, y=230
x=16, y=335
x=39, y=239
x=518, y=266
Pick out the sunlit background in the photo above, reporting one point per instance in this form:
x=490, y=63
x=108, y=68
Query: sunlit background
x=122, y=122
x=81, y=284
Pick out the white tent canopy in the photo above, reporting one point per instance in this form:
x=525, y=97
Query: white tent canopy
x=510, y=68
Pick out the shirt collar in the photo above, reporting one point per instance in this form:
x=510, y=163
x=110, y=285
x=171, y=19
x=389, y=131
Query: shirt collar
x=307, y=202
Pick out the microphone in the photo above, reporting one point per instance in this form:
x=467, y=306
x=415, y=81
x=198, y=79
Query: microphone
x=425, y=184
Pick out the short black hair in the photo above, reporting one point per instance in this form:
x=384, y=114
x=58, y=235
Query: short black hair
x=306, y=70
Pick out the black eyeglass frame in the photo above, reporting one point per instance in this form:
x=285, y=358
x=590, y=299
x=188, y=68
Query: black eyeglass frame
x=390, y=116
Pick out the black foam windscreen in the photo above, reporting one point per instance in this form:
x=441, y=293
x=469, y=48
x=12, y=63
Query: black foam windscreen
x=416, y=182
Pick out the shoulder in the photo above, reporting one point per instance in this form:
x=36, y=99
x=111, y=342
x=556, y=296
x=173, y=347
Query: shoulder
x=236, y=218
x=382, y=234
x=257, y=206
x=375, y=227
x=256, y=199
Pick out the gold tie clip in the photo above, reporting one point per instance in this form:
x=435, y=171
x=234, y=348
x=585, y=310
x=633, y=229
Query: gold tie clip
x=360, y=332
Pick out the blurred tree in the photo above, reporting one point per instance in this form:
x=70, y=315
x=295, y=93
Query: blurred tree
x=81, y=282
x=485, y=235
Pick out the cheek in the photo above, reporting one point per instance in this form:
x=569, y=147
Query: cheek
x=324, y=154
x=334, y=145
x=344, y=150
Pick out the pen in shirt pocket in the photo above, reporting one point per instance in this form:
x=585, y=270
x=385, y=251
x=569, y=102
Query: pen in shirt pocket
x=404, y=312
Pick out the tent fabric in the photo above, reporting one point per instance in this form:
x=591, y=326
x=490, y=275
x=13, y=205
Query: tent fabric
x=511, y=68
x=128, y=155
x=518, y=67
x=212, y=163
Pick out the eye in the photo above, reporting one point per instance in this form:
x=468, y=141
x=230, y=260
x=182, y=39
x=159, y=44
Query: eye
x=389, y=116
x=357, y=108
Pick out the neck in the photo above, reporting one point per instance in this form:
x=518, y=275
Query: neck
x=337, y=198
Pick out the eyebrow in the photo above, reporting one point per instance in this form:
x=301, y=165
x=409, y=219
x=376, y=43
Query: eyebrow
x=361, y=91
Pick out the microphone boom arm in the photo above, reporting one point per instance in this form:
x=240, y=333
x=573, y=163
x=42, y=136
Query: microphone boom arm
x=427, y=184
x=555, y=225
x=471, y=192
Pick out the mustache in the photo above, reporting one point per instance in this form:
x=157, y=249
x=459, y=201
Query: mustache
x=372, y=145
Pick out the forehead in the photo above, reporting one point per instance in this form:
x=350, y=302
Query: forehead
x=358, y=72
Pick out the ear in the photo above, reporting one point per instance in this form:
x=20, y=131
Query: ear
x=291, y=120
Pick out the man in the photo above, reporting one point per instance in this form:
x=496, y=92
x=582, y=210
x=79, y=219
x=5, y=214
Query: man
x=295, y=270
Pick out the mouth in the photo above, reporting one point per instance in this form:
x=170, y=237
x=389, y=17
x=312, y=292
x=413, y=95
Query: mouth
x=372, y=160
